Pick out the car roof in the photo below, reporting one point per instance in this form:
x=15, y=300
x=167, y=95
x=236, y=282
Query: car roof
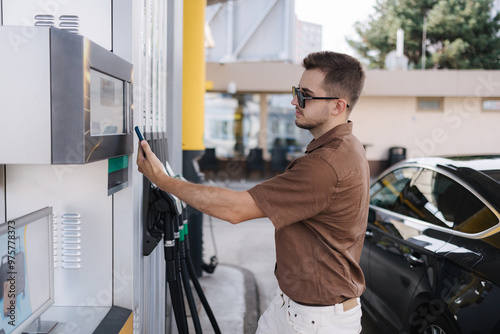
x=477, y=162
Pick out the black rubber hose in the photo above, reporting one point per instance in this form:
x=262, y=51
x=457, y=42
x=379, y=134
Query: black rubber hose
x=185, y=278
x=171, y=273
x=189, y=296
x=180, y=320
x=199, y=290
x=178, y=276
x=182, y=306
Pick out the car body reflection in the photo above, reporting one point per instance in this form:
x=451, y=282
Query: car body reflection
x=431, y=253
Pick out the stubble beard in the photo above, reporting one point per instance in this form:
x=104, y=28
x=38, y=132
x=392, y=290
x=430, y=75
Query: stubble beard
x=311, y=124
x=305, y=126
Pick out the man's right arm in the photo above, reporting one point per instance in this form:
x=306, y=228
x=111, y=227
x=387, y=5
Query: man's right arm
x=225, y=204
x=232, y=206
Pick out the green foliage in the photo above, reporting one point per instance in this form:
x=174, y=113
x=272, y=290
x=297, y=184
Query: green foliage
x=460, y=34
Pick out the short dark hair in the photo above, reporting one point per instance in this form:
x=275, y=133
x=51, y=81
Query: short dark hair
x=344, y=75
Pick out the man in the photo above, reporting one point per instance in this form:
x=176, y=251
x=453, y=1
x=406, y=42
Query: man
x=319, y=205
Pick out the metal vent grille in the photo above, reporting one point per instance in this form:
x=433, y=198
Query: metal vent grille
x=70, y=241
x=44, y=20
x=70, y=23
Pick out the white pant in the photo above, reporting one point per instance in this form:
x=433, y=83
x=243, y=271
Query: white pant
x=284, y=316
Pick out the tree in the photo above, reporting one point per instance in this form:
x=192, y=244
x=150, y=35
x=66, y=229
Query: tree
x=461, y=34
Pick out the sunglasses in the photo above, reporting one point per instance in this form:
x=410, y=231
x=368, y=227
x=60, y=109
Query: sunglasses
x=302, y=99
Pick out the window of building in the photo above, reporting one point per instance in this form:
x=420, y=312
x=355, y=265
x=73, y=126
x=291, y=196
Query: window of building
x=491, y=104
x=220, y=129
x=429, y=103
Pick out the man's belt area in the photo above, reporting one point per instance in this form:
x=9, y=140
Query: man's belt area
x=348, y=304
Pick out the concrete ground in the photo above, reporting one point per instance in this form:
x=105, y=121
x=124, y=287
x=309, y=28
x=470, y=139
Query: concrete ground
x=243, y=284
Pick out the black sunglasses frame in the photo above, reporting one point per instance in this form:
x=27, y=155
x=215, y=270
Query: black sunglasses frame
x=301, y=99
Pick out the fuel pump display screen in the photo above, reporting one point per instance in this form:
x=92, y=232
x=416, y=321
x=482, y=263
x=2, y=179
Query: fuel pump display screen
x=107, y=112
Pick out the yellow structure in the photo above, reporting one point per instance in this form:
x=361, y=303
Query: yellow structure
x=193, y=83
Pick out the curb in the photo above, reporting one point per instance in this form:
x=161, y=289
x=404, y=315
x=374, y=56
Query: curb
x=252, y=309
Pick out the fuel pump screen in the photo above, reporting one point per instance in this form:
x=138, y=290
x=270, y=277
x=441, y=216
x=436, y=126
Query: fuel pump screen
x=107, y=107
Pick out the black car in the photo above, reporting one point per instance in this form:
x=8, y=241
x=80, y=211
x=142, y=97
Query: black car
x=432, y=248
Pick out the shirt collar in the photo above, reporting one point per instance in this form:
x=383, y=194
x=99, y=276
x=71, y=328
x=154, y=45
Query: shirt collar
x=339, y=131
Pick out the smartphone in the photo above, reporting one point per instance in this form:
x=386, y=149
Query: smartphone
x=139, y=134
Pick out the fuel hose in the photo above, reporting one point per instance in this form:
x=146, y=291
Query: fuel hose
x=171, y=274
x=194, y=279
x=186, y=279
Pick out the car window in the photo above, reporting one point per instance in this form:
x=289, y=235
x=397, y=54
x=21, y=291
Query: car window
x=385, y=192
x=437, y=199
x=473, y=216
x=430, y=198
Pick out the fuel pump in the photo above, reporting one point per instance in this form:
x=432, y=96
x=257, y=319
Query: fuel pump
x=167, y=218
x=166, y=209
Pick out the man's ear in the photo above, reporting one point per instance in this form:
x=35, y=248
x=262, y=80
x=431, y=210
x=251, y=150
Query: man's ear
x=338, y=107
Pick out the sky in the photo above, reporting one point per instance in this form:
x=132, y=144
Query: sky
x=337, y=18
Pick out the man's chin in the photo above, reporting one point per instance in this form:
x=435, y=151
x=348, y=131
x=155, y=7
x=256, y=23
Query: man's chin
x=302, y=125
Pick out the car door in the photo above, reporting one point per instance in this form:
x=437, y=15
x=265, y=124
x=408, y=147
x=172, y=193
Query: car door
x=380, y=251
x=469, y=283
x=402, y=241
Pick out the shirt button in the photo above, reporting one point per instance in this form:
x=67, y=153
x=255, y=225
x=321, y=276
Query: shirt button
x=312, y=322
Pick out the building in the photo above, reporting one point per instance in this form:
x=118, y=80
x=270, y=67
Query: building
x=308, y=38
x=426, y=112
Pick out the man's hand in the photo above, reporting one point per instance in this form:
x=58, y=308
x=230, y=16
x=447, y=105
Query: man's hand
x=149, y=164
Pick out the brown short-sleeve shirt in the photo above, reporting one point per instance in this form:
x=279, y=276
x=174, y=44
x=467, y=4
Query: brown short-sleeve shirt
x=319, y=207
